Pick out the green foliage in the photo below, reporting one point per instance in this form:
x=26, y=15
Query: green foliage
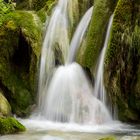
x=10, y=125
x=4, y=9
x=96, y=33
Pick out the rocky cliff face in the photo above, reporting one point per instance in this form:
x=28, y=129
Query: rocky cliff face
x=20, y=45
x=122, y=77
x=90, y=51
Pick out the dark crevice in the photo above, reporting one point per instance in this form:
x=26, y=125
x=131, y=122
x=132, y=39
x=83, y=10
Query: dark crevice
x=89, y=75
x=21, y=58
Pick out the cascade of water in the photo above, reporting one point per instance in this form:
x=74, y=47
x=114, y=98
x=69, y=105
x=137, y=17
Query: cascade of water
x=69, y=98
x=99, y=89
x=69, y=95
x=79, y=35
x=56, y=38
x=65, y=94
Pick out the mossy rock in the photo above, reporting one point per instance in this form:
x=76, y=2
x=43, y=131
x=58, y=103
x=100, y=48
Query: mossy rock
x=45, y=11
x=96, y=33
x=108, y=138
x=20, y=47
x=33, y=4
x=10, y=126
x=5, y=108
x=123, y=60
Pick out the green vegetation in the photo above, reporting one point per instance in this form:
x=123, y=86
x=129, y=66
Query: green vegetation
x=108, y=138
x=4, y=9
x=20, y=45
x=34, y=4
x=96, y=33
x=123, y=59
x=10, y=125
x=46, y=10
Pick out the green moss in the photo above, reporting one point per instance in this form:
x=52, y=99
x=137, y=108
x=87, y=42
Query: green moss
x=122, y=21
x=108, y=138
x=10, y=125
x=96, y=33
x=83, y=6
x=42, y=15
x=46, y=10
x=20, y=45
x=23, y=4
x=38, y=4
x=34, y=4
x=123, y=59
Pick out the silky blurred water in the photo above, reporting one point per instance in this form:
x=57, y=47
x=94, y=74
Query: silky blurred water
x=44, y=130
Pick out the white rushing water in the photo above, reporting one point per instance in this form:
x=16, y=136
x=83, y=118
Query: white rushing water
x=69, y=95
x=56, y=38
x=70, y=99
x=79, y=35
x=99, y=89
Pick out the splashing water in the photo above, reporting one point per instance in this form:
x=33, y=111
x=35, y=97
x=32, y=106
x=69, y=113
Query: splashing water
x=65, y=94
x=79, y=35
x=56, y=36
x=70, y=99
x=99, y=89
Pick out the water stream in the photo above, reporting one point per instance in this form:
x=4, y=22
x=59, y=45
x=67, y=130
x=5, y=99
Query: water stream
x=79, y=35
x=69, y=95
x=56, y=38
x=99, y=89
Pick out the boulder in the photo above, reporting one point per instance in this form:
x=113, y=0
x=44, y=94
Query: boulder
x=10, y=125
x=5, y=108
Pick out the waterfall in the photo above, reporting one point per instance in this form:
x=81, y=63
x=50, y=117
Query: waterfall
x=70, y=99
x=99, y=89
x=56, y=38
x=79, y=35
x=65, y=94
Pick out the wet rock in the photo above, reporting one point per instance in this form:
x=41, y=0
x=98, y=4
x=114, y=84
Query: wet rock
x=5, y=108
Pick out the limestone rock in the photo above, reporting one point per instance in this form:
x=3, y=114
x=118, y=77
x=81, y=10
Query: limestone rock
x=5, y=108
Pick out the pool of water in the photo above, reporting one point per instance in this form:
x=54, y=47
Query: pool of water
x=44, y=130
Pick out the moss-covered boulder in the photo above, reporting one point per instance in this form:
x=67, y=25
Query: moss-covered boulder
x=10, y=125
x=5, y=108
x=122, y=69
x=20, y=45
x=108, y=138
x=102, y=11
